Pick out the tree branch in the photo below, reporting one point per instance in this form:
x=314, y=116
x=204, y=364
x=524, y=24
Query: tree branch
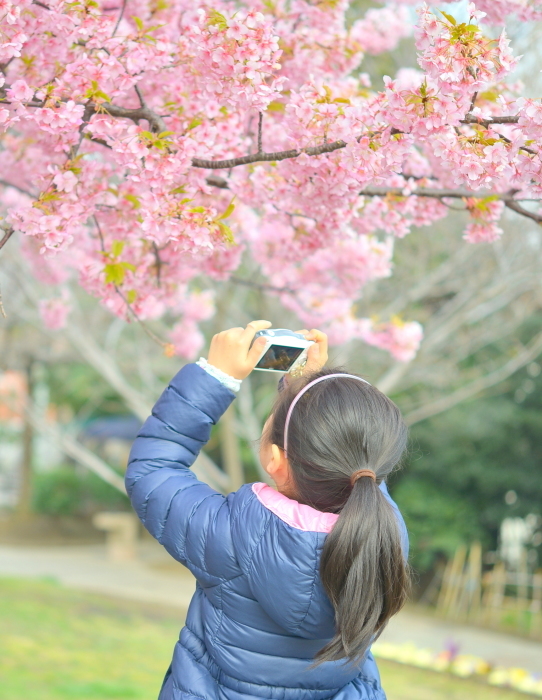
x=262, y=286
x=528, y=354
x=260, y=124
x=512, y=204
x=8, y=233
x=19, y=189
x=217, y=181
x=436, y=193
x=267, y=157
x=119, y=18
x=156, y=122
x=74, y=449
x=471, y=119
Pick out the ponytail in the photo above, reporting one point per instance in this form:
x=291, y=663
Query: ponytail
x=339, y=427
x=363, y=572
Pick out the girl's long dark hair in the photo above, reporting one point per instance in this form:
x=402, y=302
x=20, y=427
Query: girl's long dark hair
x=339, y=426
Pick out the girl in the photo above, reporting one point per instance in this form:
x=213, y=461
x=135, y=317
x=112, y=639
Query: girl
x=293, y=584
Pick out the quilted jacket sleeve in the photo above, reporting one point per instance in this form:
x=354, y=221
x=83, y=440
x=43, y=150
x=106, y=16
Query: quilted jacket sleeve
x=184, y=514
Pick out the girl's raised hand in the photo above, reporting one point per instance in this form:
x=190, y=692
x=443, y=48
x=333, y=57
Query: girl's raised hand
x=230, y=350
x=317, y=354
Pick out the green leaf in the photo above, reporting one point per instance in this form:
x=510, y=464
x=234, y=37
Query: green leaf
x=147, y=135
x=131, y=296
x=139, y=22
x=276, y=106
x=228, y=212
x=114, y=274
x=178, y=190
x=194, y=123
x=198, y=210
x=450, y=19
x=217, y=19
x=473, y=28
x=116, y=248
x=128, y=266
x=227, y=233
x=133, y=200
x=165, y=134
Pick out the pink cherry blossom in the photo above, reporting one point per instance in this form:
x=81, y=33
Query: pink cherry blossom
x=100, y=125
x=54, y=312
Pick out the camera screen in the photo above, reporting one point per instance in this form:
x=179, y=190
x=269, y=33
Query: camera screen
x=279, y=357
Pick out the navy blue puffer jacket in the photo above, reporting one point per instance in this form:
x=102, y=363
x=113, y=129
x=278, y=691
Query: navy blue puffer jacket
x=259, y=613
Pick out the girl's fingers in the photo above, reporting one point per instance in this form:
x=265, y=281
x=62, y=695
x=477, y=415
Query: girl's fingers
x=317, y=353
x=255, y=351
x=252, y=328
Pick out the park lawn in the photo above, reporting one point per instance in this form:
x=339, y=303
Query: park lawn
x=61, y=644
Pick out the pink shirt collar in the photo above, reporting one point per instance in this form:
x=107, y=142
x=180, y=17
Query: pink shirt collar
x=295, y=514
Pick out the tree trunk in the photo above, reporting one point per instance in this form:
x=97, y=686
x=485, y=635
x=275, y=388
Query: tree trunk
x=24, y=504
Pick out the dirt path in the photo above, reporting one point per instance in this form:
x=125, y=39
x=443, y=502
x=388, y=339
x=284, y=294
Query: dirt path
x=156, y=578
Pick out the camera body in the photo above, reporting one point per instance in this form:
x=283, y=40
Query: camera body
x=284, y=350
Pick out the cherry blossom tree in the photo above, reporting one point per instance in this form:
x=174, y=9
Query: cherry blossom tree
x=152, y=147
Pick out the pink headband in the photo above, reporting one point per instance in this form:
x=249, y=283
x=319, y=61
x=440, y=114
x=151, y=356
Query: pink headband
x=308, y=386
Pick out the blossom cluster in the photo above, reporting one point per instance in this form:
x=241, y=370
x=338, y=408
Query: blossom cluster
x=108, y=116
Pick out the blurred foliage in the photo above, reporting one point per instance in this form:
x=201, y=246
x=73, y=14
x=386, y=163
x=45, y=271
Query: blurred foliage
x=69, y=491
x=78, y=386
x=463, y=462
x=62, y=644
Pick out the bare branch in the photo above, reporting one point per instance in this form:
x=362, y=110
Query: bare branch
x=19, y=189
x=260, y=123
x=119, y=18
x=8, y=233
x=261, y=286
x=101, y=142
x=156, y=122
x=140, y=96
x=471, y=119
x=512, y=204
x=267, y=157
x=217, y=181
x=436, y=193
x=159, y=263
x=74, y=449
x=528, y=354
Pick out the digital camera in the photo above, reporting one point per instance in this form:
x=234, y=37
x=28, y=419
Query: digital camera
x=284, y=350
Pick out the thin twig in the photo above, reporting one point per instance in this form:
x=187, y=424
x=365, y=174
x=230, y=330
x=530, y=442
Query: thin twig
x=129, y=307
x=521, y=148
x=119, y=18
x=140, y=96
x=260, y=124
x=40, y=4
x=261, y=286
x=2, y=311
x=8, y=233
x=16, y=187
x=473, y=102
x=158, y=259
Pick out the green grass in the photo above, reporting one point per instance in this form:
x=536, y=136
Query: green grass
x=61, y=644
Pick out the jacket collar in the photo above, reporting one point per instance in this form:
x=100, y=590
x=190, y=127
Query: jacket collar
x=293, y=513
